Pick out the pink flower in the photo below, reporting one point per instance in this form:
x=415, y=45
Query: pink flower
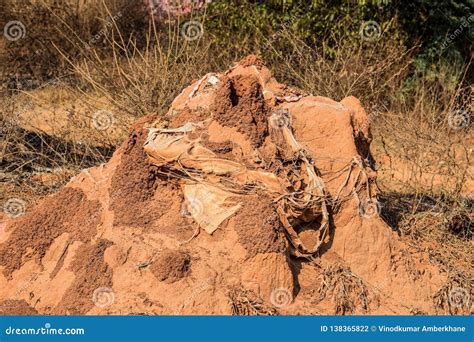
x=162, y=9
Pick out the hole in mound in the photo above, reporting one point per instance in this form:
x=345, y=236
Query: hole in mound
x=171, y=266
x=68, y=211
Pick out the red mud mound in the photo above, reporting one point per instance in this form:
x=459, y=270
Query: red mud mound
x=251, y=199
x=171, y=266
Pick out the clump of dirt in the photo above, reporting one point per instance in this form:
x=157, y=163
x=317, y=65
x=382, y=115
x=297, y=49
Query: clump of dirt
x=258, y=227
x=68, y=211
x=91, y=272
x=171, y=266
x=239, y=103
x=134, y=184
x=11, y=307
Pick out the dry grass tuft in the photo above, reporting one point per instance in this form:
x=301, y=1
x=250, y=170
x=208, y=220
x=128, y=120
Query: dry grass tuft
x=346, y=290
x=455, y=297
x=247, y=303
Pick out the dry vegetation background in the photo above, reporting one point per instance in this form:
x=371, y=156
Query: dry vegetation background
x=83, y=71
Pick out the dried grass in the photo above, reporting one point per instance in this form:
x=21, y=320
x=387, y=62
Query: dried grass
x=345, y=289
x=246, y=303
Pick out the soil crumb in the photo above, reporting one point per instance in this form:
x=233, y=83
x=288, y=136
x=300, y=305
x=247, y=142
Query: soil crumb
x=171, y=266
x=258, y=227
x=66, y=212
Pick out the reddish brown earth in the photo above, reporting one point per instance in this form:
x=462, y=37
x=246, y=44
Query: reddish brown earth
x=124, y=225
